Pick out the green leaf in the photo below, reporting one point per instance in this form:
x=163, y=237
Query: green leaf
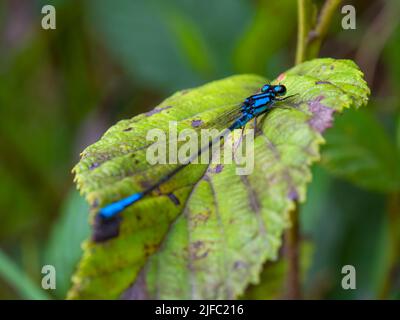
x=138, y=31
x=360, y=151
x=64, y=246
x=27, y=288
x=257, y=46
x=214, y=242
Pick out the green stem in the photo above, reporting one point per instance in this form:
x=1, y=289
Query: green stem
x=311, y=31
x=310, y=35
x=12, y=274
x=318, y=34
x=304, y=23
x=292, y=252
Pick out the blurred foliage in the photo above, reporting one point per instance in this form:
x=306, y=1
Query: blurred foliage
x=60, y=90
x=350, y=225
x=63, y=251
x=24, y=286
x=189, y=49
x=360, y=150
x=273, y=283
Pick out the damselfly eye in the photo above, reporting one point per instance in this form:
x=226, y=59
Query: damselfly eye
x=266, y=88
x=280, y=90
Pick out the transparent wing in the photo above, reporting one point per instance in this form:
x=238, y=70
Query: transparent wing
x=224, y=117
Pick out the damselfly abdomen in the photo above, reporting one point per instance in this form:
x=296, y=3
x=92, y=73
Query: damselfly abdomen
x=251, y=108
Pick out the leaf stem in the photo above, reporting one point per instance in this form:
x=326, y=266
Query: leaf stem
x=310, y=34
x=303, y=17
x=311, y=31
x=292, y=252
x=318, y=34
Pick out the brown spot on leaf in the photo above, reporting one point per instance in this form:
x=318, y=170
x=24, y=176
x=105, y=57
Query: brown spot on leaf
x=254, y=202
x=197, y=244
x=239, y=265
x=149, y=248
x=293, y=194
x=157, y=110
x=198, y=250
x=199, y=218
x=322, y=115
x=217, y=169
x=197, y=123
x=128, y=129
x=323, y=82
x=94, y=165
x=146, y=184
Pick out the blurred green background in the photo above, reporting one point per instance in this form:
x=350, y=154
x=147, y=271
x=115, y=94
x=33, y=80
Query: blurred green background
x=110, y=60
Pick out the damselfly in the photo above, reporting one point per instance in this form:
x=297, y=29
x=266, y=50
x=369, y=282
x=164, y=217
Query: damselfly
x=251, y=108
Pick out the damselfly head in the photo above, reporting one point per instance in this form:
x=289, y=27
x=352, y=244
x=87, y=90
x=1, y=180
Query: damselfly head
x=279, y=90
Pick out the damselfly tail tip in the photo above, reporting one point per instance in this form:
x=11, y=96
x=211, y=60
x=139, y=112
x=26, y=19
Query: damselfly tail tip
x=107, y=220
